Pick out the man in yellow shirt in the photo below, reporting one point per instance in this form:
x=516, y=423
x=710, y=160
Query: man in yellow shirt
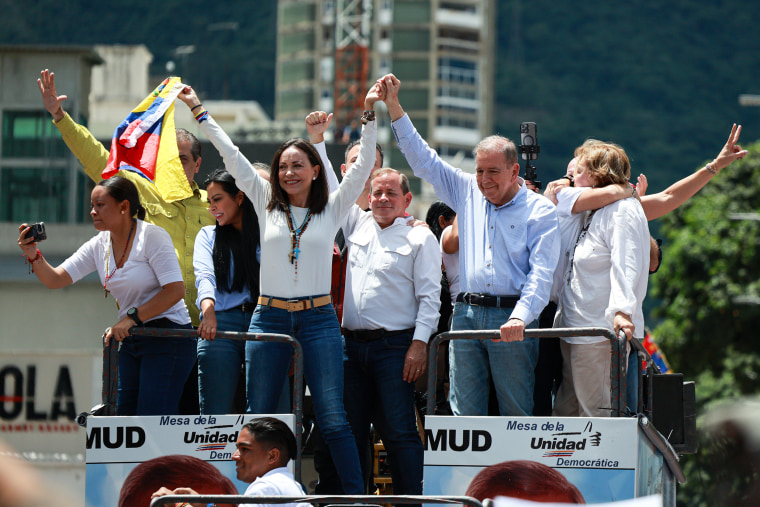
x=181, y=219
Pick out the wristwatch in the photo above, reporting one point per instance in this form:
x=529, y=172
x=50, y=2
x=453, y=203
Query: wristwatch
x=132, y=314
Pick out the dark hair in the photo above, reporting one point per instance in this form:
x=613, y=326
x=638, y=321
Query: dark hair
x=356, y=142
x=185, y=135
x=524, y=479
x=173, y=471
x=121, y=189
x=240, y=245
x=272, y=433
x=437, y=209
x=318, y=194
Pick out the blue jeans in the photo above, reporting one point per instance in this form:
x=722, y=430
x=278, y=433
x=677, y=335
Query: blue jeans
x=472, y=361
x=376, y=392
x=219, y=364
x=153, y=371
x=318, y=332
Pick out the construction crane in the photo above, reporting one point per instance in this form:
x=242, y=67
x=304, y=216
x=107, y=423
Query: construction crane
x=352, y=38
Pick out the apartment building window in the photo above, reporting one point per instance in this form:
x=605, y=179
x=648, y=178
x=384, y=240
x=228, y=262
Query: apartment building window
x=411, y=12
x=298, y=12
x=410, y=40
x=33, y=195
x=413, y=69
x=458, y=71
x=30, y=134
x=298, y=41
x=459, y=92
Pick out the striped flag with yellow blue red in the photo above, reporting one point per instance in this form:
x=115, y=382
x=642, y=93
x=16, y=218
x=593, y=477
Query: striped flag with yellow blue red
x=146, y=143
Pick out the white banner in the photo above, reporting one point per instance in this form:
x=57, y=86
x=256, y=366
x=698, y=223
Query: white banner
x=119, y=446
x=598, y=455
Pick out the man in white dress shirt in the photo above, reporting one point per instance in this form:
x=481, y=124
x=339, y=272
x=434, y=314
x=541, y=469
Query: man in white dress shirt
x=390, y=309
x=264, y=447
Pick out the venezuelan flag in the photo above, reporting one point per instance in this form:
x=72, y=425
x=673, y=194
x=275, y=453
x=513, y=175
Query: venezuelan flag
x=658, y=356
x=146, y=143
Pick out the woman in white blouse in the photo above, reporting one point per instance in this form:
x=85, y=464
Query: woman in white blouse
x=136, y=264
x=298, y=219
x=605, y=284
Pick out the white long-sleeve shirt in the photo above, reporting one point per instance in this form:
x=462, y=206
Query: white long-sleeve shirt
x=609, y=272
x=315, y=260
x=393, y=279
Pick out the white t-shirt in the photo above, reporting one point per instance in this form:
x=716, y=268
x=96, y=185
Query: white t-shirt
x=451, y=265
x=152, y=263
x=277, y=482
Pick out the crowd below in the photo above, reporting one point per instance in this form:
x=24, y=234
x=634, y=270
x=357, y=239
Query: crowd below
x=343, y=268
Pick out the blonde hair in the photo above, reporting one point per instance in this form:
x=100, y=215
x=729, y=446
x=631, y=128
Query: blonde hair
x=607, y=163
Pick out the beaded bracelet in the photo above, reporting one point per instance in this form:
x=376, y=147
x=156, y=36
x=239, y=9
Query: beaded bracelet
x=711, y=169
x=32, y=261
x=37, y=257
x=201, y=116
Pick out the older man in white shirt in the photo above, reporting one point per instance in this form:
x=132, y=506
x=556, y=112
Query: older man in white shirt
x=390, y=309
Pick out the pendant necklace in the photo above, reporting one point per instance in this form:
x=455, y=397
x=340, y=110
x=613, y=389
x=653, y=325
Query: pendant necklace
x=121, y=260
x=295, y=238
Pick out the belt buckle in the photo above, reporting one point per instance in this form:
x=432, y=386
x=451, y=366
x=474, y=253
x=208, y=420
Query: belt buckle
x=475, y=299
x=295, y=305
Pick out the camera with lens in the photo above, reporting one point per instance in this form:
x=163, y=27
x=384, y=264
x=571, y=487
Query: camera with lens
x=37, y=232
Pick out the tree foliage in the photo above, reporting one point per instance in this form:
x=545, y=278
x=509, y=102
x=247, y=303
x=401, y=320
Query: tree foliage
x=709, y=286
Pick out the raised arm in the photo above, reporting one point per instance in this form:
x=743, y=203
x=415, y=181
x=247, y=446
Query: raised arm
x=661, y=203
x=356, y=177
x=317, y=123
x=451, y=185
x=246, y=177
x=50, y=98
x=392, y=84
x=89, y=151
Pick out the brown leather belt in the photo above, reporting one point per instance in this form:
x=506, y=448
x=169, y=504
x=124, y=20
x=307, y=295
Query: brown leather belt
x=295, y=305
